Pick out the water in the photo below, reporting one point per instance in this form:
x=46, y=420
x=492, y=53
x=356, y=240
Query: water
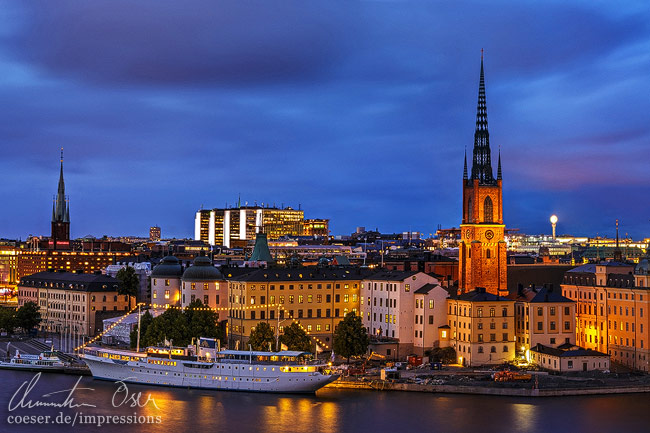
x=329, y=411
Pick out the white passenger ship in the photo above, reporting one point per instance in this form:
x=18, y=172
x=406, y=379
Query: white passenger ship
x=230, y=370
x=46, y=361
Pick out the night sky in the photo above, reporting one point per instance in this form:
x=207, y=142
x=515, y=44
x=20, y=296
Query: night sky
x=360, y=111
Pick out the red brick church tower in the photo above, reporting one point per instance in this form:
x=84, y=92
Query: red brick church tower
x=482, y=251
x=60, y=216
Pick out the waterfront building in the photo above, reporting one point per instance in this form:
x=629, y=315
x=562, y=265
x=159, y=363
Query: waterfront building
x=407, y=306
x=613, y=301
x=204, y=282
x=481, y=327
x=72, y=302
x=482, y=250
x=234, y=227
x=154, y=233
x=316, y=297
x=166, y=283
x=8, y=266
x=568, y=360
x=543, y=316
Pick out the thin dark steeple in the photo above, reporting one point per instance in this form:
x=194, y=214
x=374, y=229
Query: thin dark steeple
x=465, y=166
x=60, y=209
x=482, y=165
x=499, y=166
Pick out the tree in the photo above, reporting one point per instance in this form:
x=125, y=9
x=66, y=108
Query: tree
x=261, y=336
x=171, y=326
x=295, y=338
x=446, y=355
x=7, y=319
x=28, y=316
x=145, y=321
x=350, y=337
x=202, y=321
x=129, y=281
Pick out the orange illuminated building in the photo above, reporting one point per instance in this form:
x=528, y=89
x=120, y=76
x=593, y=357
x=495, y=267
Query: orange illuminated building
x=613, y=302
x=482, y=250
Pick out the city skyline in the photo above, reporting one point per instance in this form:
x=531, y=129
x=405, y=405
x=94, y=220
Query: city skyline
x=359, y=114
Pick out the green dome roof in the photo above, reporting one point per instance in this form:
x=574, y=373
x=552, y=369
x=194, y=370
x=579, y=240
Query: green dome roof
x=168, y=267
x=202, y=270
x=642, y=267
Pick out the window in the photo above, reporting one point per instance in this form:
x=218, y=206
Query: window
x=552, y=326
x=166, y=282
x=567, y=326
x=567, y=310
x=252, y=300
x=540, y=311
x=552, y=311
x=480, y=349
x=493, y=349
x=300, y=298
x=504, y=312
x=540, y=326
x=492, y=312
x=505, y=336
x=319, y=298
x=193, y=286
x=493, y=337
x=430, y=320
x=291, y=299
x=487, y=210
x=346, y=298
x=479, y=312
x=154, y=294
x=570, y=364
x=281, y=299
x=166, y=294
x=206, y=299
x=480, y=338
x=407, y=287
x=479, y=325
x=505, y=349
x=431, y=304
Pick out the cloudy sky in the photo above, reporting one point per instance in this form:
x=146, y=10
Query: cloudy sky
x=359, y=111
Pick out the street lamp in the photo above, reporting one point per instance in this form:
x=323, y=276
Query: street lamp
x=553, y=224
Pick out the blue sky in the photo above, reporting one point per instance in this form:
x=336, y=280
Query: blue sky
x=358, y=110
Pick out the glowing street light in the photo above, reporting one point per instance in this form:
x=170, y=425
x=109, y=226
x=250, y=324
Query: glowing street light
x=553, y=224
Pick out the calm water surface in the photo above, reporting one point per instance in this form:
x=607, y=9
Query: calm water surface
x=330, y=411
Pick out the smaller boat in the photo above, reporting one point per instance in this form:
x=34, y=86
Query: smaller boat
x=45, y=361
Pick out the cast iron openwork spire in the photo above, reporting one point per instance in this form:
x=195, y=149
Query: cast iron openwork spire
x=482, y=165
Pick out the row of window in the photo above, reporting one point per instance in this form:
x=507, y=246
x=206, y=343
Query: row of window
x=467, y=312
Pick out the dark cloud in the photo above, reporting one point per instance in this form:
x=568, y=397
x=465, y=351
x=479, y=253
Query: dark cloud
x=357, y=110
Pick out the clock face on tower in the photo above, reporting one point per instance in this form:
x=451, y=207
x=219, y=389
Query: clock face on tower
x=489, y=234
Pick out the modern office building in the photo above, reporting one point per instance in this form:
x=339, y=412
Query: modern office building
x=234, y=227
x=154, y=233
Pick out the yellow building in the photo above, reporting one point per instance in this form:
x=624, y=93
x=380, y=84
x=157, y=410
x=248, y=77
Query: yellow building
x=73, y=303
x=481, y=327
x=317, y=298
x=543, y=316
x=613, y=302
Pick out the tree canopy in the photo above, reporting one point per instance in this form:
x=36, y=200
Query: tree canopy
x=261, y=336
x=129, y=281
x=178, y=326
x=28, y=316
x=7, y=319
x=350, y=337
x=295, y=338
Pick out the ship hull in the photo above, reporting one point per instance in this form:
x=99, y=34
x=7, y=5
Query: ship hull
x=221, y=376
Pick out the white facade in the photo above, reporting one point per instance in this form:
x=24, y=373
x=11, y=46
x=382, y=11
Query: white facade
x=388, y=307
x=165, y=292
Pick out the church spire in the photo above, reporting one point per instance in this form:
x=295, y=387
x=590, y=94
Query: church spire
x=465, y=166
x=482, y=165
x=60, y=203
x=499, y=166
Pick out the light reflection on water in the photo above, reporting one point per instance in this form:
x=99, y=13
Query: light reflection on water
x=333, y=411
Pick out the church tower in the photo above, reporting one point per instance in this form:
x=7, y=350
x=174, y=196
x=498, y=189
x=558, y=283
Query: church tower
x=482, y=250
x=60, y=216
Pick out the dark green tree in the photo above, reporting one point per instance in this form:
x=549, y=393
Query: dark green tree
x=261, y=336
x=145, y=321
x=202, y=321
x=350, y=337
x=28, y=316
x=7, y=319
x=171, y=326
x=129, y=281
x=446, y=355
x=295, y=338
